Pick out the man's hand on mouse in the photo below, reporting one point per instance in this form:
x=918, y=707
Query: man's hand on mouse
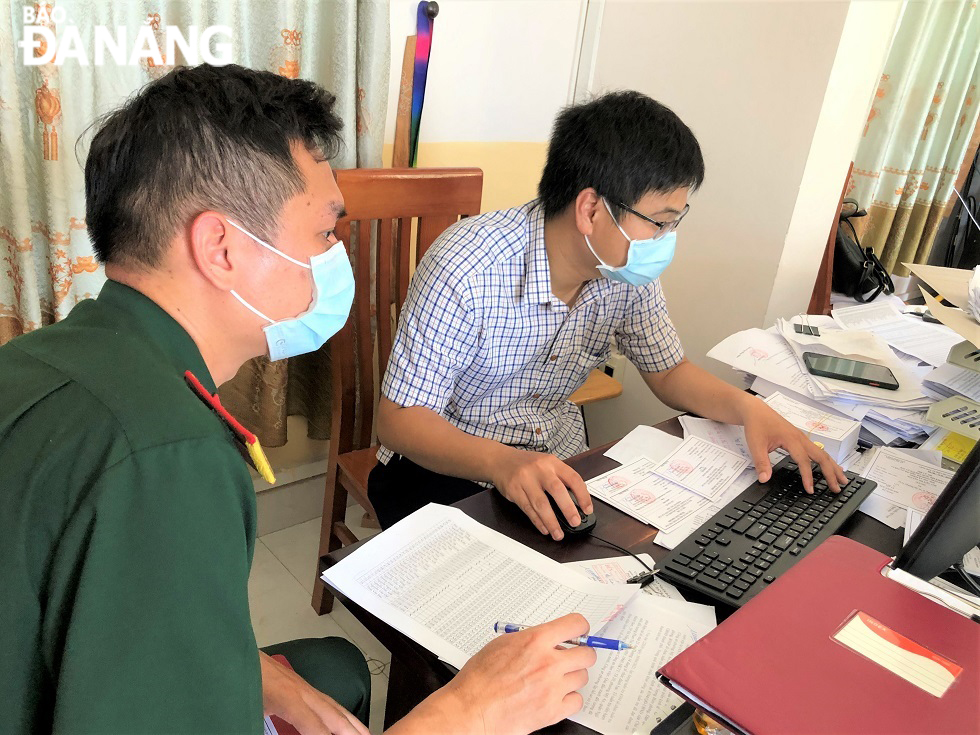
x=527, y=478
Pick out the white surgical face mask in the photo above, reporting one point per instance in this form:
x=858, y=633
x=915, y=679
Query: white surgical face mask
x=333, y=295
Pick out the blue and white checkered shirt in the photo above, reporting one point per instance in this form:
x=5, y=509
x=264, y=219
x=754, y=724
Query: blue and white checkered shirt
x=482, y=341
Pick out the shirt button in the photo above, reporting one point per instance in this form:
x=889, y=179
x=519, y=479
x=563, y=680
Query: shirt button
x=553, y=358
x=536, y=395
x=538, y=430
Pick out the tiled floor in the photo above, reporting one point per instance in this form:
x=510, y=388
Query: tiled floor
x=279, y=591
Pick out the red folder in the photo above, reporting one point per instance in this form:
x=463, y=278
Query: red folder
x=775, y=667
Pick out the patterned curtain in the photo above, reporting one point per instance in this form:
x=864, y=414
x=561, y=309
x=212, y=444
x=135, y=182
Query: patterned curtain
x=46, y=260
x=918, y=129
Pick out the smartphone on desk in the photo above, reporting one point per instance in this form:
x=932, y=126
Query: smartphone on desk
x=853, y=371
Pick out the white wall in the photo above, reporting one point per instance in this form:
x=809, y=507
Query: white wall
x=752, y=80
x=499, y=69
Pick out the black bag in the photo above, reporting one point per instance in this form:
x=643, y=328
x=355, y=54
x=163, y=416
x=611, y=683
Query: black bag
x=857, y=271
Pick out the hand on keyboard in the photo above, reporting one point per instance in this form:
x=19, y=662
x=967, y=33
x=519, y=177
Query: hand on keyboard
x=766, y=430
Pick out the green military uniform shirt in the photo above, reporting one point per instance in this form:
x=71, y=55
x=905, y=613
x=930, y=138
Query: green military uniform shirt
x=127, y=525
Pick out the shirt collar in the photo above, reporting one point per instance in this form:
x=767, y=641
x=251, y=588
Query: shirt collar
x=158, y=328
x=537, y=278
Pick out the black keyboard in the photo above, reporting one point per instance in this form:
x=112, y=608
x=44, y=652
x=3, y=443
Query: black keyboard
x=761, y=534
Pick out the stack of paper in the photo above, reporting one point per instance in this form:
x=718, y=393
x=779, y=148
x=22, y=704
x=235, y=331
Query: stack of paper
x=773, y=360
x=953, y=380
x=926, y=341
x=838, y=435
x=855, y=345
x=443, y=580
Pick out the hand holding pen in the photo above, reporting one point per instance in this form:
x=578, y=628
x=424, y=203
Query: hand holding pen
x=591, y=641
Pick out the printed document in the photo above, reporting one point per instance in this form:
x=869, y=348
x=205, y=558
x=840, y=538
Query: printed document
x=673, y=536
x=766, y=355
x=950, y=380
x=928, y=342
x=637, y=491
x=904, y=482
x=702, y=467
x=809, y=419
x=443, y=580
x=729, y=436
x=623, y=694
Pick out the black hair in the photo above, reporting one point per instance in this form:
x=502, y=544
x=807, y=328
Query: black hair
x=624, y=145
x=199, y=138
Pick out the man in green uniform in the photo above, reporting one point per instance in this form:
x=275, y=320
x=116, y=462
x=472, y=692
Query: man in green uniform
x=128, y=515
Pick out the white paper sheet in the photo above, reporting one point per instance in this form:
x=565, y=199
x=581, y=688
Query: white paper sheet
x=847, y=409
x=623, y=694
x=443, y=580
x=617, y=569
x=858, y=463
x=809, y=419
x=971, y=561
x=702, y=467
x=643, y=441
x=912, y=520
x=904, y=481
x=928, y=342
x=764, y=354
x=728, y=436
x=693, y=521
x=635, y=489
x=952, y=379
x=769, y=356
x=842, y=300
x=864, y=316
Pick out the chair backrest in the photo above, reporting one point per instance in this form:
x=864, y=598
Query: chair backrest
x=393, y=216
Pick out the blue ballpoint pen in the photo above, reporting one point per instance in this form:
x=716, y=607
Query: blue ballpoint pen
x=583, y=640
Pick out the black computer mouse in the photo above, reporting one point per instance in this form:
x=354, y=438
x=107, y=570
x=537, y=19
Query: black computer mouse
x=587, y=519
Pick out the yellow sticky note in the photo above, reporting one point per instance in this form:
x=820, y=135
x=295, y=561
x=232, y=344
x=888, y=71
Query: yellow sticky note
x=956, y=446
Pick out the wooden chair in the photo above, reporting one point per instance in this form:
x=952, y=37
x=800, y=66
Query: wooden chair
x=393, y=216
x=597, y=387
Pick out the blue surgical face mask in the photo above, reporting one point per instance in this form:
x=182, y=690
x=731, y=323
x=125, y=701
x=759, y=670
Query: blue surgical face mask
x=333, y=294
x=645, y=259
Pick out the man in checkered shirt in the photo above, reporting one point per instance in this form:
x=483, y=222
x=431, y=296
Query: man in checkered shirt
x=509, y=312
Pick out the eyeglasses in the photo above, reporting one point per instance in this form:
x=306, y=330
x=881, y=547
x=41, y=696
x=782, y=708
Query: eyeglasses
x=663, y=228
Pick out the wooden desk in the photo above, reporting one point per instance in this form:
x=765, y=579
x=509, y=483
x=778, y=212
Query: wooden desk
x=415, y=672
